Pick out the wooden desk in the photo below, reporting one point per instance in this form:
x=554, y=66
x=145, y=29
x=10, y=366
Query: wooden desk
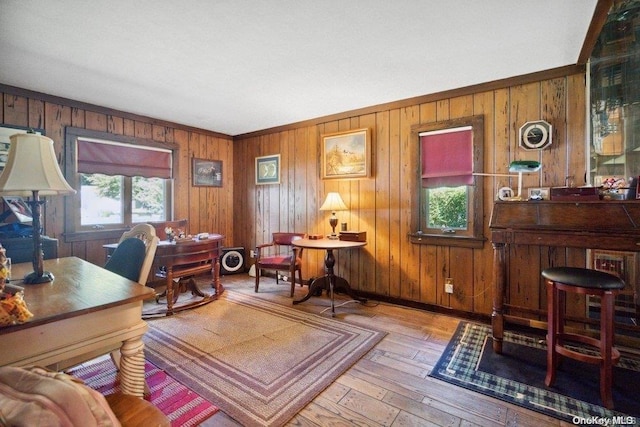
x=85, y=312
x=184, y=259
x=612, y=225
x=336, y=283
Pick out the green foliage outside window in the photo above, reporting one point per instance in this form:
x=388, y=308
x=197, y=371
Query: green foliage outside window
x=148, y=193
x=447, y=207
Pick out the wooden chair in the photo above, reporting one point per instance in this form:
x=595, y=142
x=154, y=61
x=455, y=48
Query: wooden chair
x=185, y=261
x=128, y=258
x=280, y=255
x=146, y=233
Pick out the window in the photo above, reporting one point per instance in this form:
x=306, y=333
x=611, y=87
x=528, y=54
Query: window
x=121, y=181
x=450, y=195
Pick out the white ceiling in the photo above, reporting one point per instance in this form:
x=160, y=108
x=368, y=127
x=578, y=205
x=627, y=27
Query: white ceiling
x=237, y=66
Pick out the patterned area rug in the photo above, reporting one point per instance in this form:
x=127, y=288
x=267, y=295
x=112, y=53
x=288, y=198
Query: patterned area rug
x=260, y=362
x=517, y=376
x=181, y=405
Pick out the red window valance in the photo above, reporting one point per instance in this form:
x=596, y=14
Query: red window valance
x=447, y=157
x=113, y=158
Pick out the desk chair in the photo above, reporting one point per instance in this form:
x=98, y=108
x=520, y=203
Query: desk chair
x=280, y=255
x=128, y=258
x=147, y=234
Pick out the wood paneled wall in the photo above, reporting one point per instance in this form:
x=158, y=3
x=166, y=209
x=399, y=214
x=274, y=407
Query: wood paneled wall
x=207, y=209
x=384, y=204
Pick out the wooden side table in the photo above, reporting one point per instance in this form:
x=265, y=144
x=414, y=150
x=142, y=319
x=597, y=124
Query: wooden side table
x=334, y=282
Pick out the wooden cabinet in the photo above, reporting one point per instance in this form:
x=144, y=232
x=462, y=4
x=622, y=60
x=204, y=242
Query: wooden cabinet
x=608, y=225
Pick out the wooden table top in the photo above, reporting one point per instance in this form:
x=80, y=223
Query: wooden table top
x=327, y=244
x=78, y=288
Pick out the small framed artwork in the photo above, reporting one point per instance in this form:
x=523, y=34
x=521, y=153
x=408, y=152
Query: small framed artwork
x=207, y=173
x=268, y=169
x=5, y=142
x=539, y=193
x=505, y=194
x=346, y=154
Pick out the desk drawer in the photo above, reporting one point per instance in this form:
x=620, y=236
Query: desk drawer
x=576, y=240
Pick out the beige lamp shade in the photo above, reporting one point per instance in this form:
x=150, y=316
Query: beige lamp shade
x=32, y=166
x=333, y=202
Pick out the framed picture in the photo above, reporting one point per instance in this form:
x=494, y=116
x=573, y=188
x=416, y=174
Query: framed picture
x=207, y=173
x=346, y=154
x=268, y=169
x=5, y=142
x=539, y=193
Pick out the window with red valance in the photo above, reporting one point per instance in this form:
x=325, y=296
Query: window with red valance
x=450, y=195
x=120, y=181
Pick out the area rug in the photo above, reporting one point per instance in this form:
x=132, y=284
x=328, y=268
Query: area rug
x=258, y=361
x=181, y=405
x=517, y=376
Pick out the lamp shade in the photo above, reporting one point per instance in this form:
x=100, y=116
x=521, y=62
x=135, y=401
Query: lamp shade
x=333, y=202
x=32, y=166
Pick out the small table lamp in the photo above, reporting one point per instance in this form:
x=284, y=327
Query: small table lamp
x=519, y=167
x=333, y=203
x=32, y=171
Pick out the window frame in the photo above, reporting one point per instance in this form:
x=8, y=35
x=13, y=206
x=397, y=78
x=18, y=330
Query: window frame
x=473, y=237
x=74, y=231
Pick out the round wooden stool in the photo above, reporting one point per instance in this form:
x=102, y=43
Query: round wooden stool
x=133, y=411
x=560, y=280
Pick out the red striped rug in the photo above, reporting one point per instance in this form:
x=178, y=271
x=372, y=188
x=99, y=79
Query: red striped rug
x=181, y=405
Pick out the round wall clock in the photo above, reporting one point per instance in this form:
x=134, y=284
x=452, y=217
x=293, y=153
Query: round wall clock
x=535, y=135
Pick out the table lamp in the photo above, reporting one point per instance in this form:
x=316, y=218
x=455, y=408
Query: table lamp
x=518, y=167
x=333, y=203
x=32, y=171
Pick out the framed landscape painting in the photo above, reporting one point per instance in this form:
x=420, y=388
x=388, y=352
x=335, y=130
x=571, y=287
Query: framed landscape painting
x=346, y=154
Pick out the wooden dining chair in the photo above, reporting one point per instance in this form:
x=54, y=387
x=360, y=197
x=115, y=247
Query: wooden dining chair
x=147, y=234
x=280, y=255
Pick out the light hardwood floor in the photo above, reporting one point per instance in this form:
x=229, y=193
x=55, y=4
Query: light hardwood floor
x=390, y=386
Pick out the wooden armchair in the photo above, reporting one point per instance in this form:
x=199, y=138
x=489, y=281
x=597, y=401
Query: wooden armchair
x=280, y=255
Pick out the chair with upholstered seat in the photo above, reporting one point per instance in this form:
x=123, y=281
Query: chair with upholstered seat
x=280, y=255
x=147, y=234
x=128, y=258
x=559, y=281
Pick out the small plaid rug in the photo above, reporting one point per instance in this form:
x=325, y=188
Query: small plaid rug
x=517, y=376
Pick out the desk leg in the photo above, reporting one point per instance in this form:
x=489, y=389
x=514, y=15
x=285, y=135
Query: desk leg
x=132, y=367
x=216, y=284
x=170, y=291
x=499, y=279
